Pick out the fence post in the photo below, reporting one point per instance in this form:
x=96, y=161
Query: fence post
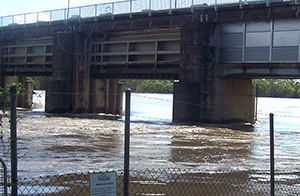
x=127, y=142
x=13, y=136
x=256, y=103
x=272, y=154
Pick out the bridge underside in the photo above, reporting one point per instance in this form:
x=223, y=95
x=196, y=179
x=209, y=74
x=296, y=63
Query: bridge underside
x=260, y=70
x=212, y=55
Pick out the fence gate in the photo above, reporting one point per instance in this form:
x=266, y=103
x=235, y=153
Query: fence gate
x=3, y=178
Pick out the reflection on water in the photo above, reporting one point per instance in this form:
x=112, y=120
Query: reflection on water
x=53, y=145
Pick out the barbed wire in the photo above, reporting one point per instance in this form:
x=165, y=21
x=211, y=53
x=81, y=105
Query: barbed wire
x=155, y=98
x=149, y=117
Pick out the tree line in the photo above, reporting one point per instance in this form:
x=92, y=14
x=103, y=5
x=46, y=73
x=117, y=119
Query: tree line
x=286, y=88
x=148, y=86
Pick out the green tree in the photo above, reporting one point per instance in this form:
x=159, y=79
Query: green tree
x=39, y=82
x=149, y=86
x=277, y=88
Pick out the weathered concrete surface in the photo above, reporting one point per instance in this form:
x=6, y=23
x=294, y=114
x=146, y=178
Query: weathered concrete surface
x=259, y=70
x=201, y=96
x=106, y=96
x=81, y=80
x=98, y=95
x=59, y=90
x=23, y=101
x=72, y=88
x=57, y=98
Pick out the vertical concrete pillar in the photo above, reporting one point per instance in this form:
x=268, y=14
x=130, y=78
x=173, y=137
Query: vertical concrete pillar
x=57, y=98
x=111, y=96
x=98, y=96
x=10, y=80
x=106, y=96
x=81, y=84
x=59, y=90
x=28, y=99
x=20, y=100
x=24, y=101
x=201, y=96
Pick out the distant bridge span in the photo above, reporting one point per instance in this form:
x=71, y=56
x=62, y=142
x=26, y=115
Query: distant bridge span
x=213, y=54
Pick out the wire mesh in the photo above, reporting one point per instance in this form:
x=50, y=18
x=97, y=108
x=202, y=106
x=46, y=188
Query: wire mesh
x=172, y=181
x=3, y=178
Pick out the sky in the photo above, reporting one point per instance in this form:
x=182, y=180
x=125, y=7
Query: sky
x=11, y=7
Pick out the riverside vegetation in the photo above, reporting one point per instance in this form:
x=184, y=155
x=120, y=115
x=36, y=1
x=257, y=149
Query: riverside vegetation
x=284, y=88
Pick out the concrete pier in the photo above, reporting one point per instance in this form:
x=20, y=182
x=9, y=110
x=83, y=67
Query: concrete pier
x=106, y=96
x=72, y=88
x=201, y=96
x=25, y=100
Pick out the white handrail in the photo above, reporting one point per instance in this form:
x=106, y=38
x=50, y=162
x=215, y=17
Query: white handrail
x=113, y=8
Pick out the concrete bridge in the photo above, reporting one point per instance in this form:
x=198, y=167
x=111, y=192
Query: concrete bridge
x=211, y=51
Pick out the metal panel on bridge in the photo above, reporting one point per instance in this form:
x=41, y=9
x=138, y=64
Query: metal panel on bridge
x=260, y=42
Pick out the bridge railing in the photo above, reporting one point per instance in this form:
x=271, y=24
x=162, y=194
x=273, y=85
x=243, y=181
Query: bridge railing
x=111, y=9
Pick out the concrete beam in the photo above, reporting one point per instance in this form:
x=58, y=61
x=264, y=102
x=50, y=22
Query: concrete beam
x=259, y=70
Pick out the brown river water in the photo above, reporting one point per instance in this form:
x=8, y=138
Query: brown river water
x=50, y=145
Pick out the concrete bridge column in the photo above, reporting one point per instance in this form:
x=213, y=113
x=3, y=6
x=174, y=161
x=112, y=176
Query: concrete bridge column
x=106, y=96
x=81, y=79
x=200, y=96
x=72, y=89
x=59, y=90
x=69, y=89
x=24, y=101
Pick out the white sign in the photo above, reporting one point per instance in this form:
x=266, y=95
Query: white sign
x=103, y=184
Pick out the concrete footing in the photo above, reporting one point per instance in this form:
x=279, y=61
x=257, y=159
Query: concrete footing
x=105, y=96
x=58, y=100
x=233, y=100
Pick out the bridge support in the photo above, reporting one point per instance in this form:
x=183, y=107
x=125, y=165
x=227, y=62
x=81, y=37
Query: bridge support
x=72, y=88
x=106, y=96
x=200, y=96
x=24, y=101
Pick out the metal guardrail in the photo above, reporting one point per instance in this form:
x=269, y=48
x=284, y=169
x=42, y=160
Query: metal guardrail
x=3, y=178
x=114, y=8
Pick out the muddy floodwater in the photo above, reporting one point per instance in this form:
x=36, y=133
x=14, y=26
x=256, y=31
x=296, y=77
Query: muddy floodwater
x=49, y=145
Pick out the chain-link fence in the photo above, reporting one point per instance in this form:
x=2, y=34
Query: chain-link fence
x=171, y=182
x=3, y=178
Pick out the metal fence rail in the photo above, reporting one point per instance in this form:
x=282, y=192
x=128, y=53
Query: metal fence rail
x=115, y=8
x=172, y=182
x=3, y=178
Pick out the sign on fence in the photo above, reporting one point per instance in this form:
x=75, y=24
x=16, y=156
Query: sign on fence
x=103, y=184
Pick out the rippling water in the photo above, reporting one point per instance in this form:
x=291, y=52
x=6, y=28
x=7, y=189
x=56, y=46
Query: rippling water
x=50, y=145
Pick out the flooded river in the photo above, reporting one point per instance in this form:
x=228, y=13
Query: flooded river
x=49, y=145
